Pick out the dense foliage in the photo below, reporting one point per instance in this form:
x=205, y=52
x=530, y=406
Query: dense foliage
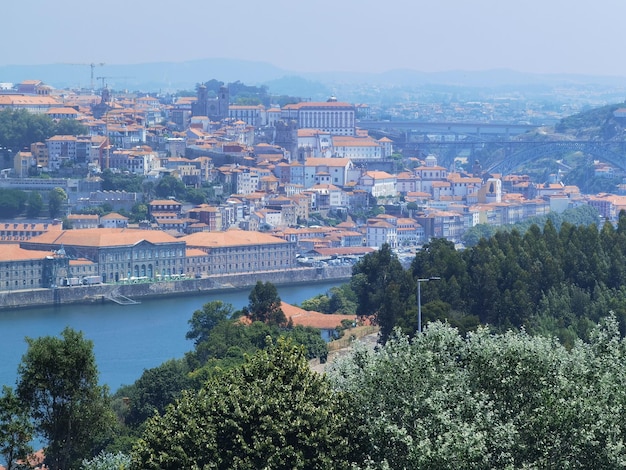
x=440, y=400
x=384, y=290
x=340, y=299
x=112, y=181
x=512, y=400
x=221, y=341
x=58, y=383
x=107, y=461
x=271, y=412
x=583, y=215
x=20, y=128
x=594, y=123
x=551, y=282
x=12, y=202
x=16, y=430
x=264, y=305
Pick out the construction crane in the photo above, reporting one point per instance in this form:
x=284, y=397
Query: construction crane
x=93, y=66
x=106, y=78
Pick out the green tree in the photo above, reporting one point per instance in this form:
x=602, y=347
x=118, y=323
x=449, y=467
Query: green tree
x=107, y=461
x=12, y=203
x=196, y=196
x=170, y=186
x=56, y=199
x=155, y=389
x=20, y=128
x=139, y=212
x=69, y=127
x=319, y=303
x=204, y=320
x=343, y=300
x=385, y=291
x=311, y=339
x=228, y=342
x=271, y=412
x=264, y=304
x=58, y=382
x=488, y=400
x=16, y=430
x=121, y=182
x=34, y=204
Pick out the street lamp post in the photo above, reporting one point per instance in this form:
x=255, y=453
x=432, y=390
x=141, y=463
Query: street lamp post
x=419, y=299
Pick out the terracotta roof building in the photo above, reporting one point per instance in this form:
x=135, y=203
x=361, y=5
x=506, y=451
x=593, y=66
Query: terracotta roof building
x=119, y=252
x=238, y=251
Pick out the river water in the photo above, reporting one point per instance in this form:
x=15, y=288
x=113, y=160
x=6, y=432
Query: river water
x=127, y=338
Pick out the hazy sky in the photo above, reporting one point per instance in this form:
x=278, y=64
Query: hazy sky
x=545, y=36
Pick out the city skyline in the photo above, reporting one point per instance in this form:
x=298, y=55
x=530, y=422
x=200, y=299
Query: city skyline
x=353, y=36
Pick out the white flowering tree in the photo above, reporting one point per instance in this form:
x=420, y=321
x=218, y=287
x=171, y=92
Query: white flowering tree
x=489, y=401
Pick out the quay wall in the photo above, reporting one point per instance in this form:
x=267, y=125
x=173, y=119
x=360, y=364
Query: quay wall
x=104, y=292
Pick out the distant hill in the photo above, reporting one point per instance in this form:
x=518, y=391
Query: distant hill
x=154, y=76
x=594, y=124
x=176, y=76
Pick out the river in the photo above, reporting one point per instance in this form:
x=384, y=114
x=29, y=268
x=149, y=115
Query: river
x=127, y=338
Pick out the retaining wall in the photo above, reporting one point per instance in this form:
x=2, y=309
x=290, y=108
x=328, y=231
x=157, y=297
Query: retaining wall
x=102, y=292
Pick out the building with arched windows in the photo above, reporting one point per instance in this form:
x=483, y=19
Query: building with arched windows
x=119, y=253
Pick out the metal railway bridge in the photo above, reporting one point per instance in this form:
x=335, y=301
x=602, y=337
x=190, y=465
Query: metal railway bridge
x=457, y=128
x=449, y=138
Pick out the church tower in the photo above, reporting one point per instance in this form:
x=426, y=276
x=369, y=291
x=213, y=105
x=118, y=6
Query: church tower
x=223, y=100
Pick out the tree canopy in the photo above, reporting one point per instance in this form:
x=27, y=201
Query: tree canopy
x=264, y=304
x=20, y=128
x=488, y=400
x=58, y=382
x=16, y=430
x=56, y=198
x=271, y=412
x=384, y=289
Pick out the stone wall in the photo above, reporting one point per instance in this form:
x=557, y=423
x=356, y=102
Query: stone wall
x=103, y=292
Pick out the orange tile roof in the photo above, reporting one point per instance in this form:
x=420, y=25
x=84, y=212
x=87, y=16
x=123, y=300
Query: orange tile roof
x=82, y=217
x=348, y=141
x=376, y=174
x=162, y=202
x=309, y=132
x=313, y=319
x=13, y=252
x=194, y=252
x=101, y=237
x=27, y=100
x=81, y=262
x=327, y=161
x=230, y=238
x=113, y=215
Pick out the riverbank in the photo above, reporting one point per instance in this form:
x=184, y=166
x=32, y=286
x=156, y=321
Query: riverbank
x=135, y=292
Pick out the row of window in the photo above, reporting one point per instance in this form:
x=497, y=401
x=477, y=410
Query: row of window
x=24, y=283
x=143, y=254
x=16, y=273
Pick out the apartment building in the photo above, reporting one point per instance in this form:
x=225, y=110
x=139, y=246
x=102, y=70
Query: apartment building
x=378, y=183
x=332, y=116
x=253, y=115
x=357, y=148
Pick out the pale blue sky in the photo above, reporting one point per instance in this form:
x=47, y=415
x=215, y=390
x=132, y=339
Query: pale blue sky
x=543, y=36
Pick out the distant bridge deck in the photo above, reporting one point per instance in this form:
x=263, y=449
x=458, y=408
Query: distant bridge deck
x=466, y=128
